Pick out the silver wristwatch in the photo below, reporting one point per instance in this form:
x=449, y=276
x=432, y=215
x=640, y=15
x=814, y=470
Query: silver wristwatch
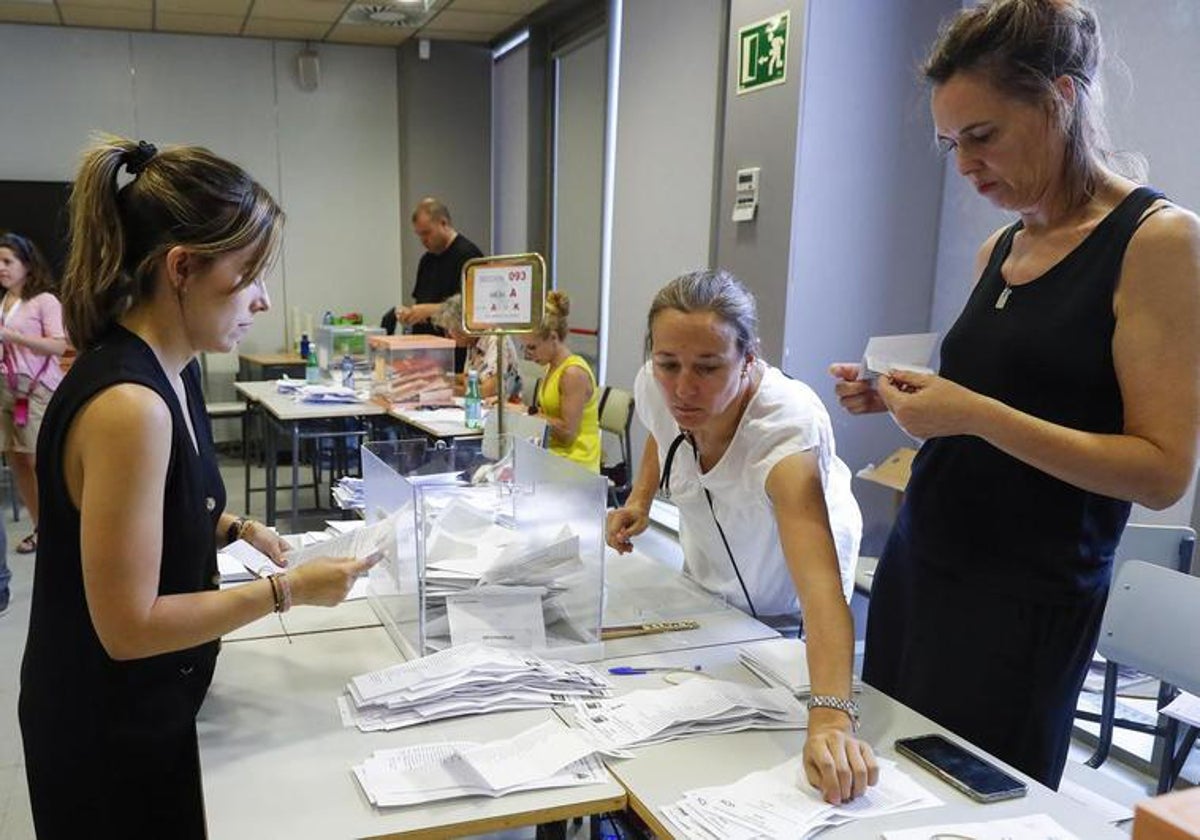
x=828, y=701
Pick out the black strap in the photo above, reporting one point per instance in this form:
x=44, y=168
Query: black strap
x=664, y=486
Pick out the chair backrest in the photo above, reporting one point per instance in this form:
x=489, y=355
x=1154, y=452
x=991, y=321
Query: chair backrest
x=1152, y=623
x=616, y=410
x=1169, y=546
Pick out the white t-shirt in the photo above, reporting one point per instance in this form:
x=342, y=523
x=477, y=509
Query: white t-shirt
x=783, y=417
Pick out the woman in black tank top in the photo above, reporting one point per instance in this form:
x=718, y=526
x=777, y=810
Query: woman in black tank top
x=1064, y=395
x=125, y=614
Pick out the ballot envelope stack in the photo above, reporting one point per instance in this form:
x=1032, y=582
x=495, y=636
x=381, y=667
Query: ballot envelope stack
x=464, y=680
x=545, y=756
x=696, y=706
x=780, y=802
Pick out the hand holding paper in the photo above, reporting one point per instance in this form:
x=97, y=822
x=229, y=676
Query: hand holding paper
x=888, y=353
x=927, y=406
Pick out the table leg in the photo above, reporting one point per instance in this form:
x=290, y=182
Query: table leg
x=295, y=475
x=271, y=464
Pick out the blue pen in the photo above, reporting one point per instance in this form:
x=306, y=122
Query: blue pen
x=630, y=670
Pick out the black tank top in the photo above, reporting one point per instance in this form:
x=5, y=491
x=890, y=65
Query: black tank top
x=977, y=513
x=65, y=666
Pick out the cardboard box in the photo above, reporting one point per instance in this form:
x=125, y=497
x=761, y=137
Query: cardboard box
x=1173, y=816
x=893, y=472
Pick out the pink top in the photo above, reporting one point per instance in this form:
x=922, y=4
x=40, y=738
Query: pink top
x=41, y=315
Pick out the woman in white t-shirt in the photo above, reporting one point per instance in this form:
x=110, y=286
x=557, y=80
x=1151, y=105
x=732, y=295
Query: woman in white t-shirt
x=767, y=520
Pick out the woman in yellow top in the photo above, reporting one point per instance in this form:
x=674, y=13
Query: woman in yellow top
x=567, y=394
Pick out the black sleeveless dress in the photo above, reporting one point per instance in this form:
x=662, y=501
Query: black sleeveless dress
x=110, y=746
x=986, y=605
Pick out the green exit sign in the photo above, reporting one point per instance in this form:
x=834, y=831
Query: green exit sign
x=762, y=53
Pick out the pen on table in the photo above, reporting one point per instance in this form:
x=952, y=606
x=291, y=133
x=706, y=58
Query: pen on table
x=630, y=670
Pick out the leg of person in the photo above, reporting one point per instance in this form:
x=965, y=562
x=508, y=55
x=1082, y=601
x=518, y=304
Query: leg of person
x=957, y=654
x=1066, y=640
x=23, y=449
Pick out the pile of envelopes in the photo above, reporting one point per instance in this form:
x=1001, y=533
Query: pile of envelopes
x=780, y=802
x=464, y=680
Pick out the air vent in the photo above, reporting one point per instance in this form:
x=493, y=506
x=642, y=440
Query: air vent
x=410, y=14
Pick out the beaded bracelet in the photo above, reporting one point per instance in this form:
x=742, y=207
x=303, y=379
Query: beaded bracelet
x=275, y=593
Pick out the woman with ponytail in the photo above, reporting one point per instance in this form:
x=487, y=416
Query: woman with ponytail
x=567, y=395
x=166, y=261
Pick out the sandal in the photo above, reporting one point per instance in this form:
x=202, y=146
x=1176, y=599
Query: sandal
x=28, y=545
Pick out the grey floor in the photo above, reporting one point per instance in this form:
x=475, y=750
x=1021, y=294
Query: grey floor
x=1115, y=781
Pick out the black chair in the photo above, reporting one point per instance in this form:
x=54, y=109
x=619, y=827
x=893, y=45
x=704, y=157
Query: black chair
x=616, y=417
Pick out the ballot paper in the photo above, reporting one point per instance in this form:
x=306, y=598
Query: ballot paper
x=779, y=802
x=501, y=616
x=697, y=706
x=466, y=679
x=378, y=538
x=897, y=352
x=782, y=662
x=444, y=770
x=1185, y=708
x=250, y=558
x=348, y=493
x=1028, y=827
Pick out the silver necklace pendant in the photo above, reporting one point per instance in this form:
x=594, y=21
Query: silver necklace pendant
x=1004, y=295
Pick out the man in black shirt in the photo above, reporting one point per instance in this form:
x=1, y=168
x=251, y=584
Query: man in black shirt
x=440, y=271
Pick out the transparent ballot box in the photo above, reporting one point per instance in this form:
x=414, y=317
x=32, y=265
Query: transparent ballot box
x=335, y=341
x=496, y=541
x=412, y=368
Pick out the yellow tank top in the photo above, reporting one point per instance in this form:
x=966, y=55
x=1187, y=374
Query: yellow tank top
x=585, y=449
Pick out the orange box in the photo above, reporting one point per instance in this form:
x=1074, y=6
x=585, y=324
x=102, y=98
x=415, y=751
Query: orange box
x=1173, y=816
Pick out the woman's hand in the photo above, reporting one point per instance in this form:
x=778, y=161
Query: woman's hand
x=835, y=762
x=855, y=395
x=326, y=581
x=928, y=406
x=624, y=524
x=266, y=541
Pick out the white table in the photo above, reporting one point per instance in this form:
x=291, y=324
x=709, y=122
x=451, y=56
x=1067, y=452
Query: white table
x=348, y=615
x=660, y=774
x=276, y=759
x=437, y=422
x=281, y=413
x=640, y=590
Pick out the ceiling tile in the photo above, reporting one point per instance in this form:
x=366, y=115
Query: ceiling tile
x=28, y=13
x=203, y=7
x=511, y=7
x=206, y=24
x=492, y=24
x=312, y=10
x=106, y=18
x=140, y=5
x=304, y=30
x=456, y=35
x=380, y=35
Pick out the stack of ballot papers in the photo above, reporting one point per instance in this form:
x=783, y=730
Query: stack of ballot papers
x=780, y=802
x=348, y=493
x=546, y=756
x=782, y=662
x=312, y=393
x=464, y=680
x=696, y=706
x=1029, y=827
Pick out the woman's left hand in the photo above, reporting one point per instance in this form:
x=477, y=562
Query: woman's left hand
x=928, y=406
x=837, y=763
x=266, y=541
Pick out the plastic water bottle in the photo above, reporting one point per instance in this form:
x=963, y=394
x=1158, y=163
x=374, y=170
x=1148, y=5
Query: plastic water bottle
x=312, y=371
x=471, y=403
x=348, y=371
x=327, y=318
x=305, y=347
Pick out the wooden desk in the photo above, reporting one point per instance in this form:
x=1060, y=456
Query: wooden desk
x=254, y=367
x=659, y=775
x=276, y=759
x=281, y=414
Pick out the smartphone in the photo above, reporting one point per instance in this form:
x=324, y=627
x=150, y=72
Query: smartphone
x=976, y=777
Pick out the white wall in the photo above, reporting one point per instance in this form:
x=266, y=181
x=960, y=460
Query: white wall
x=578, y=177
x=510, y=152
x=670, y=78
x=329, y=156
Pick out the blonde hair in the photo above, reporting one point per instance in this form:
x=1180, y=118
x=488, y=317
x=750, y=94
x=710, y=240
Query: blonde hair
x=181, y=196
x=554, y=315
